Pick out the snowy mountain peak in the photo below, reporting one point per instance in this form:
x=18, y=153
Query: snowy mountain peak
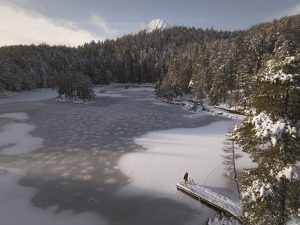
x=156, y=24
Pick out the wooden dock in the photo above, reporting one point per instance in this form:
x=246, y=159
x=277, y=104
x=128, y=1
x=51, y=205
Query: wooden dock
x=212, y=199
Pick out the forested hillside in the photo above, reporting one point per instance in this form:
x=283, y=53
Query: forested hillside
x=181, y=60
x=227, y=66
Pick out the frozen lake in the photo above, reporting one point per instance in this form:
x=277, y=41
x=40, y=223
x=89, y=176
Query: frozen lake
x=68, y=163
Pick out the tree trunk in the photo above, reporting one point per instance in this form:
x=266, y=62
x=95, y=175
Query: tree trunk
x=234, y=170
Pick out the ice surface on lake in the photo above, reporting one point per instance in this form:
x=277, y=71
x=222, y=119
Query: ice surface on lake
x=172, y=152
x=160, y=103
x=109, y=94
x=28, y=96
x=15, y=201
x=134, y=89
x=16, y=208
x=17, y=116
x=15, y=138
x=75, y=169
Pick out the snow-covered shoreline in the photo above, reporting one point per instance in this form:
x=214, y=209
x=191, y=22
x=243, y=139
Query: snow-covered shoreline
x=204, y=108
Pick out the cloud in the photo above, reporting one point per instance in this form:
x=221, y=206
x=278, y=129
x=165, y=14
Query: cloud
x=293, y=11
x=21, y=27
x=287, y=12
x=101, y=23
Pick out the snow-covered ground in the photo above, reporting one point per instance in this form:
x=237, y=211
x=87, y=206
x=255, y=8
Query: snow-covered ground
x=190, y=104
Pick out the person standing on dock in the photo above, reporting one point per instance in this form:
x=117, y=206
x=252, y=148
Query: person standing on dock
x=186, y=177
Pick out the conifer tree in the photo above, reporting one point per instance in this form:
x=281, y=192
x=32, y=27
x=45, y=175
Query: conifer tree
x=74, y=86
x=218, y=91
x=270, y=135
x=229, y=159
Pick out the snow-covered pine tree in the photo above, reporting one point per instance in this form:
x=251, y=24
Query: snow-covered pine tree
x=229, y=159
x=243, y=83
x=218, y=91
x=270, y=134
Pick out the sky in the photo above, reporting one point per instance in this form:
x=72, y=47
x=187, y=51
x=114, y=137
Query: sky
x=75, y=22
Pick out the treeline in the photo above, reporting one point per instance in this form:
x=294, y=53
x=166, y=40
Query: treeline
x=27, y=67
x=217, y=64
x=132, y=58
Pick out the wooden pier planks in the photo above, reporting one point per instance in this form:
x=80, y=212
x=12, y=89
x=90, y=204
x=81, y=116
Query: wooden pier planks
x=211, y=198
